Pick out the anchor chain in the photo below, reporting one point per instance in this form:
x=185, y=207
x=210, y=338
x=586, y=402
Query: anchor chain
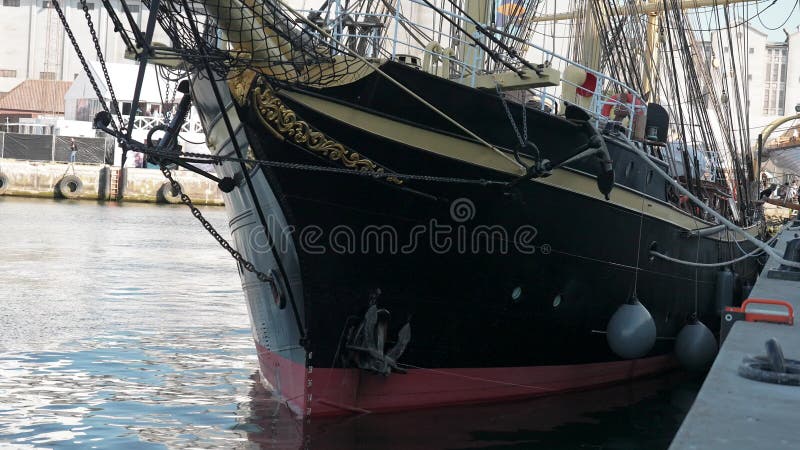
x=102, y=61
x=247, y=265
x=85, y=65
x=522, y=138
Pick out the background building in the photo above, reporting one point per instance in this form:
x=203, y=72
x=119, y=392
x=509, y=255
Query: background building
x=33, y=99
x=773, y=75
x=35, y=45
x=772, y=88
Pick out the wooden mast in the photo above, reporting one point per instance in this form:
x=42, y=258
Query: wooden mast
x=591, y=43
x=653, y=9
x=651, y=56
x=479, y=11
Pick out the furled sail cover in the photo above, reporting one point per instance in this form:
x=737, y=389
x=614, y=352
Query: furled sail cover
x=265, y=36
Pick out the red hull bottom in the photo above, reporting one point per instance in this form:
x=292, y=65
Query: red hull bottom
x=336, y=392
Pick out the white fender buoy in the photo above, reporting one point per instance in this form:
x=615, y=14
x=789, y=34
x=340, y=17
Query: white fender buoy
x=695, y=346
x=631, y=332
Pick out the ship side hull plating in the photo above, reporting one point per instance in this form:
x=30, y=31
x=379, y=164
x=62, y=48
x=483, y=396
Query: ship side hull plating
x=507, y=290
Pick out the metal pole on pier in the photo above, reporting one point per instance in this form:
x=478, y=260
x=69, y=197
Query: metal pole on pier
x=762, y=138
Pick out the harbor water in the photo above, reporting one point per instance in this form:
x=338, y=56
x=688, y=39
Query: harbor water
x=124, y=326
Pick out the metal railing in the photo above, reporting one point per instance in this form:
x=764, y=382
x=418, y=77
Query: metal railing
x=146, y=123
x=605, y=97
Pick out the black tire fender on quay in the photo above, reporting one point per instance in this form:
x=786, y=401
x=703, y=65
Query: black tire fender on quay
x=3, y=183
x=169, y=195
x=70, y=186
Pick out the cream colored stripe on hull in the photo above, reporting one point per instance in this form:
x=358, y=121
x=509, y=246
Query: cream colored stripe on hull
x=473, y=153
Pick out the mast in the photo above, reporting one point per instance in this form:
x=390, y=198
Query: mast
x=479, y=11
x=591, y=38
x=652, y=8
x=650, y=57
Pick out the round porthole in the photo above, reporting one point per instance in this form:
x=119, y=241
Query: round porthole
x=516, y=294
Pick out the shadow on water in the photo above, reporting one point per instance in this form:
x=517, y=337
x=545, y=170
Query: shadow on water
x=645, y=414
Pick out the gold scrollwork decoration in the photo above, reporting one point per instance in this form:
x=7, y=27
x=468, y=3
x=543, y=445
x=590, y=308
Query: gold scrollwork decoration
x=284, y=124
x=239, y=85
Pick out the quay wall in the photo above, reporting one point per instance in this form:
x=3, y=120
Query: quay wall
x=40, y=179
x=145, y=185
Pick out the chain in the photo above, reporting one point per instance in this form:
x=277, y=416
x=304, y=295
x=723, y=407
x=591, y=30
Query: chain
x=171, y=100
x=216, y=159
x=102, y=61
x=84, y=64
x=525, y=119
x=523, y=140
x=247, y=265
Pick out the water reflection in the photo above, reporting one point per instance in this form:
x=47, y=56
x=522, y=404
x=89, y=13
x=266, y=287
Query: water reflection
x=644, y=414
x=122, y=327
x=128, y=391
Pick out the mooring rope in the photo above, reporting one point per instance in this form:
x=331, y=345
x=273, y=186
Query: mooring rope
x=766, y=248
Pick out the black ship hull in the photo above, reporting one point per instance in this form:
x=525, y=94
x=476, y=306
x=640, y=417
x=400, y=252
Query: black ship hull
x=507, y=286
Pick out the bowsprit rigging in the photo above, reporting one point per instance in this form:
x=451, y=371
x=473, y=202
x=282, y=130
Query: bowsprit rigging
x=410, y=148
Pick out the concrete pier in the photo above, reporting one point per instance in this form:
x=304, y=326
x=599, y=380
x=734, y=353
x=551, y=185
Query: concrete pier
x=145, y=185
x=733, y=412
x=40, y=179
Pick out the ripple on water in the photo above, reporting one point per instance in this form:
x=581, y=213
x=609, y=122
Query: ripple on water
x=122, y=328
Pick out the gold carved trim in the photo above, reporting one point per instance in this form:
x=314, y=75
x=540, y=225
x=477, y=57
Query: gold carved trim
x=284, y=124
x=240, y=84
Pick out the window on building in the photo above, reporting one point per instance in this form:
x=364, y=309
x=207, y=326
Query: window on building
x=7, y=73
x=134, y=8
x=775, y=80
x=751, y=50
x=89, y=6
x=85, y=109
x=47, y=75
x=47, y=4
x=11, y=3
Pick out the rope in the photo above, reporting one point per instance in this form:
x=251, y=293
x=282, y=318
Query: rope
x=766, y=248
x=754, y=253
